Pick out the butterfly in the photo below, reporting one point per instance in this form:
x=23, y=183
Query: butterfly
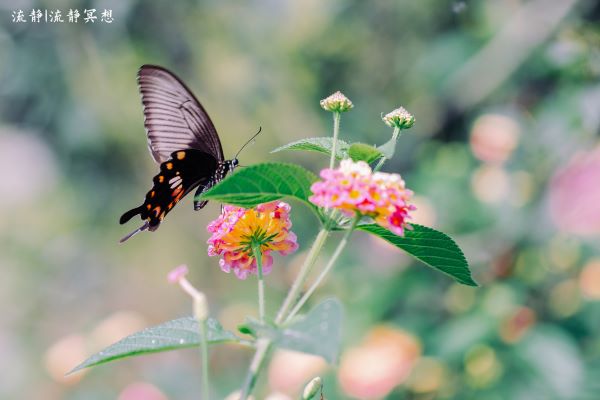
x=182, y=140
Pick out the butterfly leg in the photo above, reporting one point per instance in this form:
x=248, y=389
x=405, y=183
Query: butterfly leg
x=198, y=205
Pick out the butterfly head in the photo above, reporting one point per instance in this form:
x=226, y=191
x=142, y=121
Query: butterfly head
x=233, y=163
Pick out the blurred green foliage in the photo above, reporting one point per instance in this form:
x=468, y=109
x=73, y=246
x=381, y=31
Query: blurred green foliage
x=505, y=94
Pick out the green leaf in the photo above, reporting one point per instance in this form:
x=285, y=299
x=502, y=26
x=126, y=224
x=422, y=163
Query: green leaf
x=246, y=330
x=364, y=152
x=434, y=248
x=262, y=183
x=176, y=334
x=318, y=144
x=319, y=332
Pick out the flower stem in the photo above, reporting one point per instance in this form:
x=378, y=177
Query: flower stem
x=380, y=163
x=262, y=349
x=382, y=160
x=204, y=358
x=302, y=275
x=201, y=314
x=336, y=131
x=261, y=282
x=325, y=271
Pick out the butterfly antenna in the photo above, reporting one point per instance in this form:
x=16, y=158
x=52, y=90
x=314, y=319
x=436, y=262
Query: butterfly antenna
x=251, y=140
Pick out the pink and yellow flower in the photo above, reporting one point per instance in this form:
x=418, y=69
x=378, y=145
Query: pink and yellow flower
x=355, y=188
x=237, y=229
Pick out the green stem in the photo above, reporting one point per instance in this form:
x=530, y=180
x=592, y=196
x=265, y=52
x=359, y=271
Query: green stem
x=325, y=271
x=261, y=282
x=383, y=159
x=204, y=358
x=336, y=131
x=300, y=280
x=262, y=349
x=264, y=345
x=380, y=163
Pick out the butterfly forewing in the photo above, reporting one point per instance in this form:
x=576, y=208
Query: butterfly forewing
x=173, y=118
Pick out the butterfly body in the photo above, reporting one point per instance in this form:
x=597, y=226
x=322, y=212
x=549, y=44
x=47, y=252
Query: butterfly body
x=183, y=140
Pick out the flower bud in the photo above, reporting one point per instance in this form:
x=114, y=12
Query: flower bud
x=312, y=388
x=337, y=102
x=177, y=274
x=399, y=118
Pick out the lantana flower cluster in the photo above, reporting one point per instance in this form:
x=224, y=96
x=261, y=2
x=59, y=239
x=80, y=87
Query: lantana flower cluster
x=399, y=118
x=354, y=188
x=237, y=229
x=337, y=102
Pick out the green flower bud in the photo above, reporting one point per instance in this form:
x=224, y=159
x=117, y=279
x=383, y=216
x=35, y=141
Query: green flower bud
x=312, y=388
x=337, y=102
x=399, y=118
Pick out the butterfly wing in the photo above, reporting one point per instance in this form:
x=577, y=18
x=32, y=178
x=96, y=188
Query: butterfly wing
x=173, y=117
x=181, y=173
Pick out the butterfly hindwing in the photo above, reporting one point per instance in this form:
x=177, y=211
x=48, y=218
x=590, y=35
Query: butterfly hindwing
x=181, y=173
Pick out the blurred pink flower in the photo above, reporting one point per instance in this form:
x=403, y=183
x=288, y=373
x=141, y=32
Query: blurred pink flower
x=354, y=188
x=384, y=361
x=237, y=228
x=494, y=138
x=62, y=355
x=141, y=391
x=290, y=370
x=516, y=325
x=574, y=195
x=589, y=280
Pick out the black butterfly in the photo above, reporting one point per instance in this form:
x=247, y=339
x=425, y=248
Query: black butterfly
x=183, y=140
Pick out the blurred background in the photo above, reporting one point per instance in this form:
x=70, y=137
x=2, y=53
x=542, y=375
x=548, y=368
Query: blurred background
x=505, y=158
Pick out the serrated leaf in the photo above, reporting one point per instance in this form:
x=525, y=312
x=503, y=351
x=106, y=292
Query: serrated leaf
x=432, y=247
x=318, y=144
x=319, y=332
x=262, y=183
x=172, y=335
x=364, y=152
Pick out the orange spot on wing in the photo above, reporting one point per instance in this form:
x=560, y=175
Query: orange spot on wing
x=161, y=178
x=152, y=193
x=170, y=205
x=148, y=206
x=180, y=155
x=169, y=165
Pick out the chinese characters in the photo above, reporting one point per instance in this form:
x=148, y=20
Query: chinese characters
x=56, y=16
